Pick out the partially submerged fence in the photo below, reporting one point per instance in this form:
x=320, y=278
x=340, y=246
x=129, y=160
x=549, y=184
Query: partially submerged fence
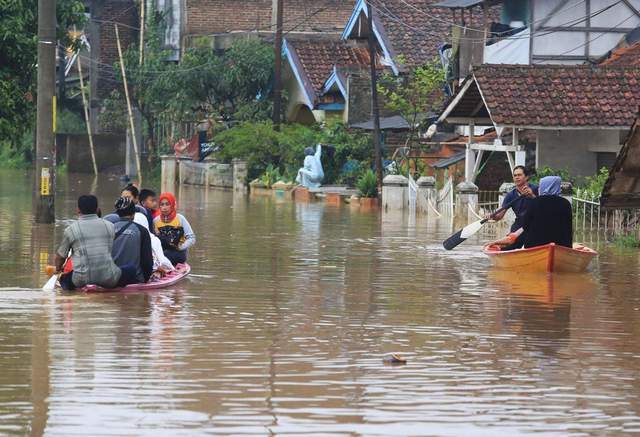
x=588, y=216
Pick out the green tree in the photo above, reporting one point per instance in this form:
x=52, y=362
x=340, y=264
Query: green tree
x=18, y=58
x=233, y=84
x=414, y=95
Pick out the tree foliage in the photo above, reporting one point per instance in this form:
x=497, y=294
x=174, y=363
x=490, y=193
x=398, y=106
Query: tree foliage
x=233, y=84
x=18, y=58
x=261, y=146
x=415, y=94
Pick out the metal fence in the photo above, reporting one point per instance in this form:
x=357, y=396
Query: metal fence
x=167, y=132
x=590, y=217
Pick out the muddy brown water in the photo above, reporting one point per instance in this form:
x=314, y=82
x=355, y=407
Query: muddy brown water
x=282, y=327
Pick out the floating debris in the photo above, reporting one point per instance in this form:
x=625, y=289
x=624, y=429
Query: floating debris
x=394, y=359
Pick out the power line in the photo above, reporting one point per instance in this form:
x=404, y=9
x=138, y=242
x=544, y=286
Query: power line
x=601, y=34
x=570, y=23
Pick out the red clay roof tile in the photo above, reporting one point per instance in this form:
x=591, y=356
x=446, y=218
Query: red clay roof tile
x=551, y=95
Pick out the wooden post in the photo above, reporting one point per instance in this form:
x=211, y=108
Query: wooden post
x=86, y=113
x=375, y=110
x=277, y=83
x=126, y=93
x=142, y=11
x=44, y=194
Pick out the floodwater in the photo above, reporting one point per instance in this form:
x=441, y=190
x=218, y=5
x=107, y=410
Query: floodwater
x=283, y=326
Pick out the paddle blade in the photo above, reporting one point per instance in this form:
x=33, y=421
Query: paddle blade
x=51, y=283
x=463, y=234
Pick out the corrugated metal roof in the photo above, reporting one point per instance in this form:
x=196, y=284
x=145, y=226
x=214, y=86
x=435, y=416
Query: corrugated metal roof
x=448, y=162
x=454, y=4
x=394, y=122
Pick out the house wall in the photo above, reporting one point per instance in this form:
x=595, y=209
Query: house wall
x=576, y=150
x=576, y=46
x=206, y=17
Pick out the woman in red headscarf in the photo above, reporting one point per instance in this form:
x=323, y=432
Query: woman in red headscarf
x=173, y=229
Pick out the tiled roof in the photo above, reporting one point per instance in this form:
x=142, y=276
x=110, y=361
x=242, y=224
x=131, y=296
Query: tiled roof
x=416, y=29
x=319, y=57
x=551, y=95
x=624, y=56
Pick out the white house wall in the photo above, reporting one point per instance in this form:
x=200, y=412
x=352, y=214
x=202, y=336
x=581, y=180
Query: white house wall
x=510, y=50
x=571, y=45
x=575, y=150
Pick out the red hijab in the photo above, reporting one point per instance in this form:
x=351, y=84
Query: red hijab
x=172, y=201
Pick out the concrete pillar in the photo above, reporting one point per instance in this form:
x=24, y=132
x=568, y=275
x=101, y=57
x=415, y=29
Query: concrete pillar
x=426, y=192
x=509, y=217
x=394, y=192
x=168, y=173
x=240, y=175
x=466, y=196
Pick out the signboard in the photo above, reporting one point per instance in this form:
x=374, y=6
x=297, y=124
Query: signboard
x=45, y=181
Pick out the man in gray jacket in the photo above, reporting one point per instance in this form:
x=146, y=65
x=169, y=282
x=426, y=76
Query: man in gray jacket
x=90, y=240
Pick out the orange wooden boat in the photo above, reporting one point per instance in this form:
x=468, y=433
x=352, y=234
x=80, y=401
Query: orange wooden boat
x=547, y=258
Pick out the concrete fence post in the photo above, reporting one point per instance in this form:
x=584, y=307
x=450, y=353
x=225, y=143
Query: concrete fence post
x=504, y=189
x=466, y=198
x=168, y=173
x=426, y=194
x=394, y=192
x=240, y=174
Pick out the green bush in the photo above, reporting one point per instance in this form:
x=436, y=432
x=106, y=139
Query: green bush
x=629, y=240
x=595, y=184
x=368, y=184
x=261, y=146
x=550, y=171
x=271, y=176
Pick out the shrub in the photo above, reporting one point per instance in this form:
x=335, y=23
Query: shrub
x=261, y=146
x=368, y=184
x=628, y=240
x=271, y=176
x=550, y=171
x=595, y=184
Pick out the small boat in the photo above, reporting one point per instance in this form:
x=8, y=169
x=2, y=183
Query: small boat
x=547, y=258
x=156, y=282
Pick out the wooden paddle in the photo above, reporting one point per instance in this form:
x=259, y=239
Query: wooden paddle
x=51, y=283
x=472, y=228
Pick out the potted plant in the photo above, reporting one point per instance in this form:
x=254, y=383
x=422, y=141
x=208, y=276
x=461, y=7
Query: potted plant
x=368, y=187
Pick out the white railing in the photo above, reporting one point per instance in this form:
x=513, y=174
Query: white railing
x=590, y=217
x=445, y=201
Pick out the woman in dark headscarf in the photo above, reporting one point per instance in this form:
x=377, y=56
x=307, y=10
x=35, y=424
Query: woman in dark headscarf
x=548, y=220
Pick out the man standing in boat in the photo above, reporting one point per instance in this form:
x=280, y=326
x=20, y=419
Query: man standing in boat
x=521, y=196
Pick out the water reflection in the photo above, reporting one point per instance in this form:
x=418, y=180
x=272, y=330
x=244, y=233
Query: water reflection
x=284, y=323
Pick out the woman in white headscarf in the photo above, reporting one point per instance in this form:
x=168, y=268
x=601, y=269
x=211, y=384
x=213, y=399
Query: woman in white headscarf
x=160, y=262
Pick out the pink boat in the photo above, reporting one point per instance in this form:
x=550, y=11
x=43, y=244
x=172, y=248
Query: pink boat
x=181, y=271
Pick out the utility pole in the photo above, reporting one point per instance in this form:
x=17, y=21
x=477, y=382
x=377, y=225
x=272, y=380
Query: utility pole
x=61, y=76
x=277, y=83
x=44, y=196
x=375, y=110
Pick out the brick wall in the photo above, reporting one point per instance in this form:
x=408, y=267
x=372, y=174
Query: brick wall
x=205, y=17
x=103, y=39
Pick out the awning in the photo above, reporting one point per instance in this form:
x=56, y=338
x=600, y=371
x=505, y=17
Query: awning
x=448, y=162
x=395, y=122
